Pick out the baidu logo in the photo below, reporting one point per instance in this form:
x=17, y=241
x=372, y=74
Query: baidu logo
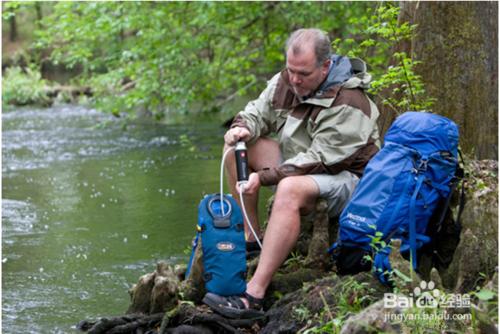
x=426, y=295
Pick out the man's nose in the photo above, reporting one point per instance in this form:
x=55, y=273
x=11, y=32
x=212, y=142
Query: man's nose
x=295, y=79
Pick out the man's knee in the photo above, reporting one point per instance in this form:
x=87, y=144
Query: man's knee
x=296, y=193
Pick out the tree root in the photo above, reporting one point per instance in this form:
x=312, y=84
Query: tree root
x=131, y=323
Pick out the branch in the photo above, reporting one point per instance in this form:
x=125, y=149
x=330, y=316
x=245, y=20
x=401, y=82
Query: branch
x=233, y=95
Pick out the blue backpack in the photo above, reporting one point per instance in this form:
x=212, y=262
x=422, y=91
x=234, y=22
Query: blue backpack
x=401, y=188
x=223, y=245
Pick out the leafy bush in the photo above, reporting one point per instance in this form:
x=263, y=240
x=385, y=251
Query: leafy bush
x=22, y=87
x=395, y=83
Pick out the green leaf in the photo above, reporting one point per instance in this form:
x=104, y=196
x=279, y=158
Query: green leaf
x=485, y=294
x=402, y=276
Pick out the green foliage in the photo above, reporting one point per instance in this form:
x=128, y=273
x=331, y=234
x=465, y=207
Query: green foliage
x=350, y=298
x=301, y=313
x=24, y=18
x=354, y=296
x=294, y=260
x=23, y=87
x=395, y=82
x=164, y=56
x=9, y=9
x=487, y=303
x=378, y=243
x=485, y=294
x=426, y=320
x=168, y=58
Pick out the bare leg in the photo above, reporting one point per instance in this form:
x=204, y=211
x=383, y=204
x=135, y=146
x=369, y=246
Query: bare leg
x=295, y=195
x=264, y=153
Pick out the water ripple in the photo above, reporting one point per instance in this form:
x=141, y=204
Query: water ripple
x=18, y=218
x=36, y=138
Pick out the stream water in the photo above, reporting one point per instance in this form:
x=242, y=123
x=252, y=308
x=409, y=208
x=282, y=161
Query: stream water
x=88, y=207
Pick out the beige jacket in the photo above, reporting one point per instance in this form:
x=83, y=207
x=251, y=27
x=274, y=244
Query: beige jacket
x=332, y=131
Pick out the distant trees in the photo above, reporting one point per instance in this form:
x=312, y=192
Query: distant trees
x=9, y=14
x=163, y=56
x=173, y=57
x=11, y=10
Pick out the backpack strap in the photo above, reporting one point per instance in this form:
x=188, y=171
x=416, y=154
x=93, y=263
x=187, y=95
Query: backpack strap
x=456, y=179
x=412, y=222
x=193, y=251
x=382, y=268
x=438, y=223
x=459, y=176
x=461, y=204
x=398, y=206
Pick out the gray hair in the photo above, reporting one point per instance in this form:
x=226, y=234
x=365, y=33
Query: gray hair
x=318, y=38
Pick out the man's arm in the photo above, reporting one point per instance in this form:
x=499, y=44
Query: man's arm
x=341, y=140
x=257, y=117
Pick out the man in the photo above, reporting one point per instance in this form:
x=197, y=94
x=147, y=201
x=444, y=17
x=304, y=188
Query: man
x=326, y=133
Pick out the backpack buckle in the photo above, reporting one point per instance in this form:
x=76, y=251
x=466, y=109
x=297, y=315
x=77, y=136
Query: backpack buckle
x=419, y=166
x=422, y=167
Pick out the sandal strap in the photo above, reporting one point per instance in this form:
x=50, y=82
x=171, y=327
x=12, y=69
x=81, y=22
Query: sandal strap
x=253, y=302
x=235, y=302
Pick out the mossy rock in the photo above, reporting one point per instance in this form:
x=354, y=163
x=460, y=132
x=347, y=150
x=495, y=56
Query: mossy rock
x=155, y=292
x=476, y=257
x=319, y=300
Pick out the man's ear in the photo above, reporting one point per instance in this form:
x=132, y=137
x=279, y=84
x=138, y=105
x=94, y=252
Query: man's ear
x=326, y=65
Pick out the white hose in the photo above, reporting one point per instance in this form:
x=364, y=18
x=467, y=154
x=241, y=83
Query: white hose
x=241, y=186
x=222, y=179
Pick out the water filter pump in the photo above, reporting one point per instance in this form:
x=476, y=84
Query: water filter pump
x=241, y=161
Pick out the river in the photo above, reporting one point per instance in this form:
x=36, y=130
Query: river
x=89, y=206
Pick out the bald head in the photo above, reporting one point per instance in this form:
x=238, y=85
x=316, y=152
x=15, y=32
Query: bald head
x=304, y=40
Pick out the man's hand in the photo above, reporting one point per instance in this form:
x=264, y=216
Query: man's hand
x=236, y=134
x=252, y=186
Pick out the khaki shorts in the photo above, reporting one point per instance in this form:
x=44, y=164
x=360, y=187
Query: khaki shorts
x=336, y=189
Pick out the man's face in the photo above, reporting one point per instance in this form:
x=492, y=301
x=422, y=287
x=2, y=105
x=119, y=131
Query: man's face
x=305, y=76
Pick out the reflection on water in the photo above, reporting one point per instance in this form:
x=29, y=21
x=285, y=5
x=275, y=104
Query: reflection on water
x=87, y=209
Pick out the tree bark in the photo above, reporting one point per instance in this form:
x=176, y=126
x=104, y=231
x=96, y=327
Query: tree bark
x=12, y=29
x=39, y=14
x=457, y=43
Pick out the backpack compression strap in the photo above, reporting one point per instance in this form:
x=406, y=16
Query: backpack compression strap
x=382, y=266
x=193, y=251
x=413, y=221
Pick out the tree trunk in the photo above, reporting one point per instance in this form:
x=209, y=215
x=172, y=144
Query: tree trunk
x=457, y=43
x=12, y=29
x=39, y=14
